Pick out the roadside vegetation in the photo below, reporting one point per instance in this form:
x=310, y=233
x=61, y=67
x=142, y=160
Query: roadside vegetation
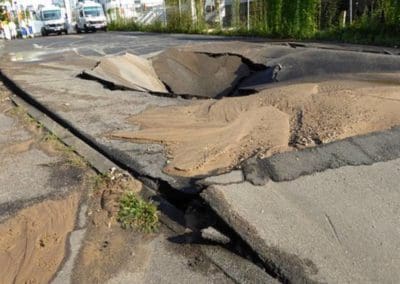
x=373, y=21
x=137, y=213
x=119, y=194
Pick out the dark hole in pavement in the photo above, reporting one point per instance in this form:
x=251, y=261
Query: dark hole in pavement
x=186, y=74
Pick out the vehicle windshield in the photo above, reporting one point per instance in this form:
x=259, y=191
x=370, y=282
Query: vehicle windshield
x=93, y=11
x=51, y=15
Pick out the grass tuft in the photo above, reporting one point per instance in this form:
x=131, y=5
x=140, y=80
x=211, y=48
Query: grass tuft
x=136, y=213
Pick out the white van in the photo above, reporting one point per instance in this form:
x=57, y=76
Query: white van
x=90, y=17
x=54, y=20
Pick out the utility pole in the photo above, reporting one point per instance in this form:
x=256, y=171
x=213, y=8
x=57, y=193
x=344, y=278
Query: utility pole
x=67, y=5
x=165, y=13
x=351, y=12
x=221, y=5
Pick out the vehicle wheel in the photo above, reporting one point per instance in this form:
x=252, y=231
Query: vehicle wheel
x=59, y=33
x=66, y=32
x=105, y=29
x=78, y=30
x=44, y=33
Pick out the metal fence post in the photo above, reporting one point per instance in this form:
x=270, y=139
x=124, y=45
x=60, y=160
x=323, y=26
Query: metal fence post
x=248, y=15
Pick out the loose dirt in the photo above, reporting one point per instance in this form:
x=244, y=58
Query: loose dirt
x=214, y=136
x=33, y=243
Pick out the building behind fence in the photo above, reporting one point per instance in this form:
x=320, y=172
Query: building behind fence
x=297, y=18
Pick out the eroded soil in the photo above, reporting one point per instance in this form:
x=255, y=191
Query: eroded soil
x=33, y=243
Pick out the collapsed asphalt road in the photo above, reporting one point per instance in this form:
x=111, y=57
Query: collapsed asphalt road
x=307, y=97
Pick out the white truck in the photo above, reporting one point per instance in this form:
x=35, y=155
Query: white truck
x=53, y=20
x=90, y=17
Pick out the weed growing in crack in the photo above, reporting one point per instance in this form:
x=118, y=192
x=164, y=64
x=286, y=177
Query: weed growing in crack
x=137, y=213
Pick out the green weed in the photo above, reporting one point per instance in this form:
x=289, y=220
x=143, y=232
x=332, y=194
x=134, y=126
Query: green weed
x=137, y=213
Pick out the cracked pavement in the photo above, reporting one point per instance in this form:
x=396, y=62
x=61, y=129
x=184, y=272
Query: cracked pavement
x=326, y=214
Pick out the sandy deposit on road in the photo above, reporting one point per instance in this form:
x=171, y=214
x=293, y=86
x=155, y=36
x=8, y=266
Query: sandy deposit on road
x=32, y=244
x=214, y=136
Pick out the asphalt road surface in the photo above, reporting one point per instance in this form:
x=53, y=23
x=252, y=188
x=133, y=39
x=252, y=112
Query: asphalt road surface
x=326, y=213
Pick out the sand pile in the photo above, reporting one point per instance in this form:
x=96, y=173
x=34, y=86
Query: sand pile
x=32, y=244
x=214, y=136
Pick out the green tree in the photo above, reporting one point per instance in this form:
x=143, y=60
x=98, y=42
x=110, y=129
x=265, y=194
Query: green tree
x=330, y=10
x=291, y=17
x=274, y=15
x=308, y=17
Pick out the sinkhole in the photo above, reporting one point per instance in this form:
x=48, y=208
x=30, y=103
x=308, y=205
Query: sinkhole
x=186, y=74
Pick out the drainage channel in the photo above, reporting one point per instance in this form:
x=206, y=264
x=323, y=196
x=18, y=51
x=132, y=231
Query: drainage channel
x=187, y=205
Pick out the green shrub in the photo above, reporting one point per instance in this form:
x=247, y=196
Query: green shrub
x=379, y=23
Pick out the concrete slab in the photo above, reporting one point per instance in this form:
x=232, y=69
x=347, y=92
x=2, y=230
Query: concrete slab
x=17, y=176
x=165, y=262
x=338, y=226
x=26, y=172
x=127, y=71
x=232, y=177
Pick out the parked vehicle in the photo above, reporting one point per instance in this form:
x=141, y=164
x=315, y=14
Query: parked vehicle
x=54, y=20
x=90, y=17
